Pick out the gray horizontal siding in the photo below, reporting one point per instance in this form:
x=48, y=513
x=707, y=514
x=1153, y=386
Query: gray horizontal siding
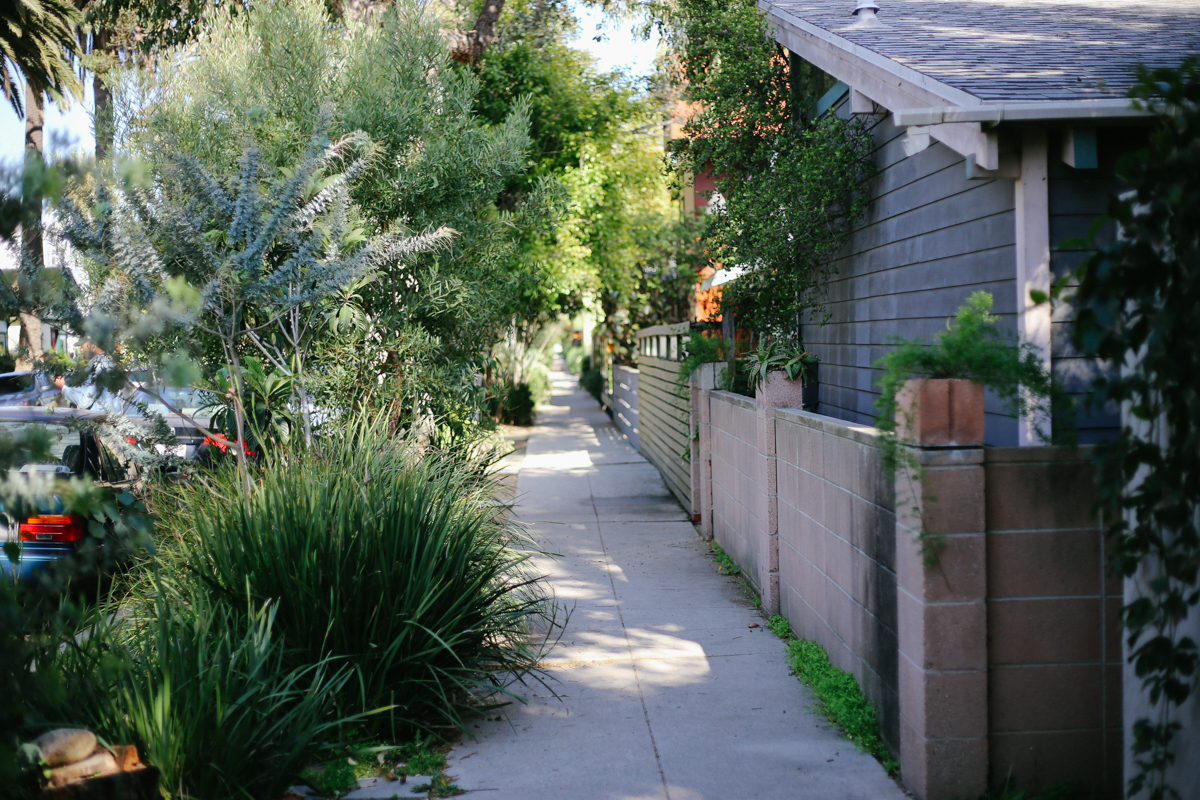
x=1077, y=199
x=930, y=239
x=664, y=416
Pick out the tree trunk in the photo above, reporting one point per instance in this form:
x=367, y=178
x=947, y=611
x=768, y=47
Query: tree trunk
x=102, y=120
x=31, y=228
x=30, y=341
x=467, y=46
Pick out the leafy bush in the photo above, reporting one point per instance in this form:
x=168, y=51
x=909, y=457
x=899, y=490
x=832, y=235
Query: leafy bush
x=398, y=564
x=973, y=347
x=511, y=403
x=792, y=188
x=592, y=380
x=205, y=692
x=701, y=347
x=1134, y=302
x=574, y=358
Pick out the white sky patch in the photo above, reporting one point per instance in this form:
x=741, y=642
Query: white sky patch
x=619, y=47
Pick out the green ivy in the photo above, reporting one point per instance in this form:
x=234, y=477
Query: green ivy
x=1136, y=302
x=838, y=694
x=790, y=187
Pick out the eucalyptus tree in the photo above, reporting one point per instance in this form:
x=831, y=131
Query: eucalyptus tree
x=241, y=258
x=266, y=75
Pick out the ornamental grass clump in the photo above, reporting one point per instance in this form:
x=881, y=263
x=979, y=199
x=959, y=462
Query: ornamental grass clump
x=393, y=561
x=205, y=690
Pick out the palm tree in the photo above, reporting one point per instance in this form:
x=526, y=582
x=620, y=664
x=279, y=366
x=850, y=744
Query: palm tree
x=36, y=38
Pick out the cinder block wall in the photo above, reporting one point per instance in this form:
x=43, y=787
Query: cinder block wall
x=837, y=550
x=735, y=489
x=1050, y=648
x=1054, y=624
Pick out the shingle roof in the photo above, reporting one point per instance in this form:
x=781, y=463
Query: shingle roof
x=1020, y=50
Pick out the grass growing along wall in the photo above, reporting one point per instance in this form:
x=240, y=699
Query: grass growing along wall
x=837, y=692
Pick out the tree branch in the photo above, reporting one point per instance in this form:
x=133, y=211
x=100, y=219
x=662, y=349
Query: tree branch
x=467, y=47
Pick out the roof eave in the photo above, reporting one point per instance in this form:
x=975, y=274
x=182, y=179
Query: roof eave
x=866, y=70
x=996, y=113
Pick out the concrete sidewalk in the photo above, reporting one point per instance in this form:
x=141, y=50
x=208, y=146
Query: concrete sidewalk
x=664, y=691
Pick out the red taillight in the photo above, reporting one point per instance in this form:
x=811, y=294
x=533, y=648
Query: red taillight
x=52, y=528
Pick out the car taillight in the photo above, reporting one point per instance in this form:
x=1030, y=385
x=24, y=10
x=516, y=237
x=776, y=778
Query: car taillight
x=52, y=528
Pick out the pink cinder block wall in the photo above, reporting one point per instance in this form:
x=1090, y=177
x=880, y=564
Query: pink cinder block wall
x=837, y=550
x=1054, y=624
x=1047, y=690
x=735, y=489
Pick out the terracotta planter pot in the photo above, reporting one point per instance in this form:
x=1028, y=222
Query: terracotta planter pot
x=779, y=392
x=940, y=412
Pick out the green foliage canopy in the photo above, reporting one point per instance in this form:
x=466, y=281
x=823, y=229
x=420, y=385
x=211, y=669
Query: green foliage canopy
x=267, y=78
x=790, y=188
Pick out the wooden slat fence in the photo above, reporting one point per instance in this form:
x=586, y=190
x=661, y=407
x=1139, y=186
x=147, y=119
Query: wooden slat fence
x=664, y=409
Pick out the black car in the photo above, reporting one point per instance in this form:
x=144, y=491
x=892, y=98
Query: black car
x=75, y=451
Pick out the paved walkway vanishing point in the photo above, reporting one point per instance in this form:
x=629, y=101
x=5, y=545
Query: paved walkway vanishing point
x=663, y=689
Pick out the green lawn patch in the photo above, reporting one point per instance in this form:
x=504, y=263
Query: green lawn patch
x=838, y=695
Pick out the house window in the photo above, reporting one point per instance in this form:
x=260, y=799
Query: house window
x=814, y=91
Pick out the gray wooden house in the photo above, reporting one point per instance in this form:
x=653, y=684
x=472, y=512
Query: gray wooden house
x=997, y=125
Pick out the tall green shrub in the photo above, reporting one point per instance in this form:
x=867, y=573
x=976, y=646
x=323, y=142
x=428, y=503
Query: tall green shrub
x=790, y=187
x=396, y=563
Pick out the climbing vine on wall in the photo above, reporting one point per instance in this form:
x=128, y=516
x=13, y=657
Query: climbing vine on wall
x=1136, y=302
x=790, y=187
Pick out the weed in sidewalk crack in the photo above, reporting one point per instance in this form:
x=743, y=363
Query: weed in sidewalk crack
x=725, y=564
x=838, y=695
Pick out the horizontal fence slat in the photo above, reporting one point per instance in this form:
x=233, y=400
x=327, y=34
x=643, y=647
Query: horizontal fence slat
x=664, y=419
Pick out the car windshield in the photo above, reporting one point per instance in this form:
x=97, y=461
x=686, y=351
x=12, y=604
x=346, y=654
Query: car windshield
x=65, y=451
x=13, y=384
x=184, y=399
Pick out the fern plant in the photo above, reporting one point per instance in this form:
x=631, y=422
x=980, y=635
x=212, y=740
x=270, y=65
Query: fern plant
x=972, y=347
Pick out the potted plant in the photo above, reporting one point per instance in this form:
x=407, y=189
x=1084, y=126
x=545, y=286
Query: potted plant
x=783, y=375
x=932, y=393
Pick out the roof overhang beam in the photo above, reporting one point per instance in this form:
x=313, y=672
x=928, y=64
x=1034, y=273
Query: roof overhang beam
x=1067, y=111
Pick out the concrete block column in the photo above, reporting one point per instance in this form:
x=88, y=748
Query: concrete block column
x=704, y=382
x=768, y=512
x=694, y=448
x=941, y=591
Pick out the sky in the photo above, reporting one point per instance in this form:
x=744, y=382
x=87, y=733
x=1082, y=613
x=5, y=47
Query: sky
x=68, y=130
x=619, y=47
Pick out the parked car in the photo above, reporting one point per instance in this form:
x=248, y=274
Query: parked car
x=197, y=407
x=52, y=534
x=26, y=389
